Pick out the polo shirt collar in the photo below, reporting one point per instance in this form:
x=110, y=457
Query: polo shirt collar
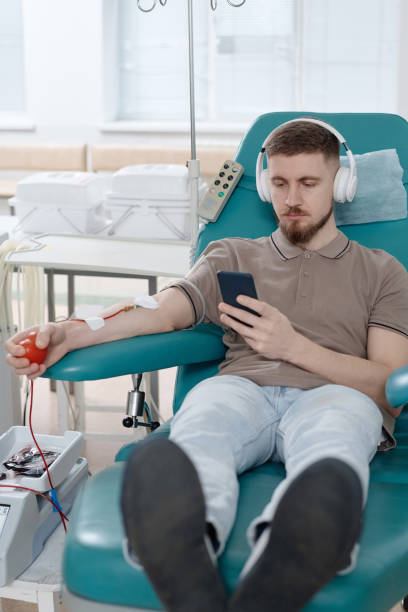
x=336, y=248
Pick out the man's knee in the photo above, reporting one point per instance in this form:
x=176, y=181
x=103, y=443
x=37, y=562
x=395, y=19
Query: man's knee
x=357, y=408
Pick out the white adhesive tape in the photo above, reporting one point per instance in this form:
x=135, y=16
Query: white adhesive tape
x=146, y=301
x=95, y=322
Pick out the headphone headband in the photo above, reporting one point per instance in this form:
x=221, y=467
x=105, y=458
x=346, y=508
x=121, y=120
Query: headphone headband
x=345, y=184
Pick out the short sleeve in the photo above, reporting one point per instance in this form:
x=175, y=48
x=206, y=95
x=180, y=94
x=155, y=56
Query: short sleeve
x=390, y=309
x=201, y=284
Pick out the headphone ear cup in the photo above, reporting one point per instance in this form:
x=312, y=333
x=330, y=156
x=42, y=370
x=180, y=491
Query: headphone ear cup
x=351, y=188
x=340, y=184
x=266, y=196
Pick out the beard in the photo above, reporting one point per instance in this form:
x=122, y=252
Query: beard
x=296, y=234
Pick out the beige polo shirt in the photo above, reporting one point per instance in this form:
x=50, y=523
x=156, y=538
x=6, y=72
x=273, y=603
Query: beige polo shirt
x=331, y=296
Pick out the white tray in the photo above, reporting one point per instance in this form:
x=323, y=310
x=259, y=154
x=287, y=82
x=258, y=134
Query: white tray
x=69, y=445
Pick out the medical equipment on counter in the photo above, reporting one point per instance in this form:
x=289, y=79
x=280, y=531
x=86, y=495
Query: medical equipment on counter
x=26, y=519
x=220, y=190
x=61, y=202
x=151, y=201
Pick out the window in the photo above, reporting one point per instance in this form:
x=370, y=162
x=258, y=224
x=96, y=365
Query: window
x=320, y=55
x=11, y=57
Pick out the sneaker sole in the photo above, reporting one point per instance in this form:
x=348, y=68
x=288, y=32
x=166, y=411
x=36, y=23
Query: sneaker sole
x=164, y=516
x=314, y=528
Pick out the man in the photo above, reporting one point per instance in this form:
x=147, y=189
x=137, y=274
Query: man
x=303, y=383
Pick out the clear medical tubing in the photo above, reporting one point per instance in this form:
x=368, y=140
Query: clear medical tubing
x=33, y=283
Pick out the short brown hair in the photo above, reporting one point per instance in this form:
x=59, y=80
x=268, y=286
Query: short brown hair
x=302, y=137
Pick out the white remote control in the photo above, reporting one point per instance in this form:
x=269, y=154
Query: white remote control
x=220, y=190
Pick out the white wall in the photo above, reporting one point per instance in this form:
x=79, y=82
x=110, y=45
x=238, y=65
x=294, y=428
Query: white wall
x=63, y=44
x=64, y=76
x=67, y=98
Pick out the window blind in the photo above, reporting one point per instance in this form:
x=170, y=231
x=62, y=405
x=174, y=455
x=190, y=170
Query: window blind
x=267, y=55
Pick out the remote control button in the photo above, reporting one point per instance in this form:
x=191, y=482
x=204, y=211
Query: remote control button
x=220, y=194
x=230, y=177
x=225, y=186
x=235, y=169
x=212, y=190
x=226, y=166
x=222, y=173
x=217, y=182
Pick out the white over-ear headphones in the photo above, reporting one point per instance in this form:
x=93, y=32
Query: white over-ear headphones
x=345, y=182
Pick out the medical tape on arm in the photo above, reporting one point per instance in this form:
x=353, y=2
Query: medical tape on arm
x=144, y=301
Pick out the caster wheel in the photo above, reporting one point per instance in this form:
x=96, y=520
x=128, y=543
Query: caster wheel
x=127, y=422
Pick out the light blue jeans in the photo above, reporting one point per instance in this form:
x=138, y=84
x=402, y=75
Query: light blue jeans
x=228, y=424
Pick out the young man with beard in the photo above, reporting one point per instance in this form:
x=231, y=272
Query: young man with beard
x=303, y=383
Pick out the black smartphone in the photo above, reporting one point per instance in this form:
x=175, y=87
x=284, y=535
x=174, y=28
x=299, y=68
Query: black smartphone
x=233, y=284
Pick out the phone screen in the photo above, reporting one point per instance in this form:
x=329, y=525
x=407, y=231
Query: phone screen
x=233, y=284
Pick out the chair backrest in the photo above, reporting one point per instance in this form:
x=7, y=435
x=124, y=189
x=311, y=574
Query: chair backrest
x=247, y=216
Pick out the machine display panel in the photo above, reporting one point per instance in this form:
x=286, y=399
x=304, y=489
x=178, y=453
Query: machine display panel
x=4, y=508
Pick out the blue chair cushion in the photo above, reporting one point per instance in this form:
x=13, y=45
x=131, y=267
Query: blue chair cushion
x=94, y=567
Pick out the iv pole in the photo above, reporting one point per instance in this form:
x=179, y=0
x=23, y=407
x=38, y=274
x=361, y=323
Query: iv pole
x=193, y=164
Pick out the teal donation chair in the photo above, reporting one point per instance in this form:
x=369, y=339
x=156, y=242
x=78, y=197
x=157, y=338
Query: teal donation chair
x=96, y=576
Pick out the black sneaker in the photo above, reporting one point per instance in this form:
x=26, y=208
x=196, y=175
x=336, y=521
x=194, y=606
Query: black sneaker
x=163, y=511
x=315, y=527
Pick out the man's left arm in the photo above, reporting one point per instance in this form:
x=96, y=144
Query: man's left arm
x=272, y=335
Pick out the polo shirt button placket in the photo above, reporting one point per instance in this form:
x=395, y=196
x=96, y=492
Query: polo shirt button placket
x=307, y=255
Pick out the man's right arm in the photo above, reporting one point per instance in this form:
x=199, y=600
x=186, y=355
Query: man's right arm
x=174, y=312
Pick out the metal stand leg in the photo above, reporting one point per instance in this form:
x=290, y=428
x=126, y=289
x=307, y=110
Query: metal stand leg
x=49, y=601
x=147, y=379
x=154, y=376
x=62, y=406
x=80, y=407
x=51, y=307
x=71, y=308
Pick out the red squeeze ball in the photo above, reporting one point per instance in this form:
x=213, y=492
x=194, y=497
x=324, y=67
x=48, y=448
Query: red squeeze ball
x=32, y=352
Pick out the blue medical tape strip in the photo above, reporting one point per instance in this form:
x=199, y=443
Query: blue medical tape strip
x=54, y=498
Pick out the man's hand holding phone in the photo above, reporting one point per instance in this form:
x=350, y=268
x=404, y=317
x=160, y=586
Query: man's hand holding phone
x=263, y=327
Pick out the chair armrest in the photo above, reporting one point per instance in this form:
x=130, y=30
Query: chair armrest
x=141, y=354
x=396, y=388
